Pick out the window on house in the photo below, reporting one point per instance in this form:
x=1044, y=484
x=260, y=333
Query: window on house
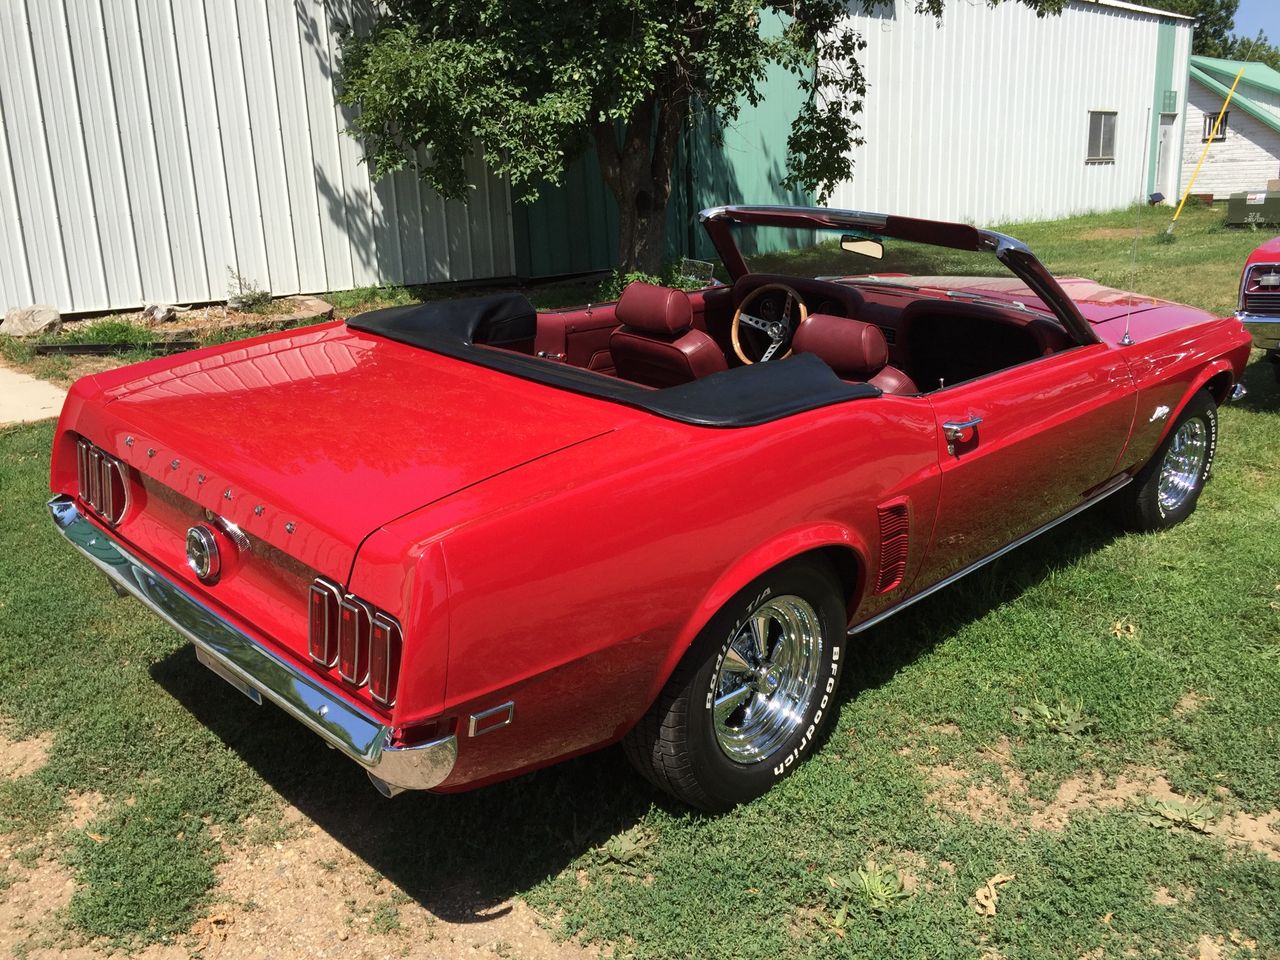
x=1209, y=120
x=1102, y=137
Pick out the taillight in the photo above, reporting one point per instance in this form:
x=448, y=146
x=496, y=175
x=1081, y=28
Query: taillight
x=322, y=621
x=104, y=485
x=357, y=638
x=384, y=659
x=355, y=617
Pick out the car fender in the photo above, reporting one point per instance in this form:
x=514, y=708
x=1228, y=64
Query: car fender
x=1203, y=376
x=763, y=558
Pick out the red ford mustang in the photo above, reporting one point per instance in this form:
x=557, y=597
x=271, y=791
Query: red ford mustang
x=460, y=541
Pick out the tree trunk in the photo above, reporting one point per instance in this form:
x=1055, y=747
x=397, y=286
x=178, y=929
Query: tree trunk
x=639, y=175
x=642, y=221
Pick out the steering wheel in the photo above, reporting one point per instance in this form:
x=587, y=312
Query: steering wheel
x=777, y=331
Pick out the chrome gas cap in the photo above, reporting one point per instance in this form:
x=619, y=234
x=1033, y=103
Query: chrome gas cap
x=202, y=554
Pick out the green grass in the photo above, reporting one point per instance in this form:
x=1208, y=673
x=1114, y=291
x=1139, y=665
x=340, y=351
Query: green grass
x=1075, y=650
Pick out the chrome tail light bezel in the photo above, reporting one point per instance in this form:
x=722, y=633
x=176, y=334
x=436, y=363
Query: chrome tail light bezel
x=322, y=643
x=355, y=640
x=355, y=629
x=103, y=482
x=386, y=639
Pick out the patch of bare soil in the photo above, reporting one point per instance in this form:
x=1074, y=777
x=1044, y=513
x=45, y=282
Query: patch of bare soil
x=1189, y=704
x=21, y=758
x=962, y=792
x=1261, y=833
x=303, y=897
x=1110, y=233
x=1231, y=947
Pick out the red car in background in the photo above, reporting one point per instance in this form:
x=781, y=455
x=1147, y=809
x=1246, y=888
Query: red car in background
x=1259, y=307
x=463, y=540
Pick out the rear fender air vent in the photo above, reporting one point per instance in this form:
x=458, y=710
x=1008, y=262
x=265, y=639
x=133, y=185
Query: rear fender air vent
x=895, y=534
x=103, y=482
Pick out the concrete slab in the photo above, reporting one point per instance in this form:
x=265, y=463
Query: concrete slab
x=23, y=398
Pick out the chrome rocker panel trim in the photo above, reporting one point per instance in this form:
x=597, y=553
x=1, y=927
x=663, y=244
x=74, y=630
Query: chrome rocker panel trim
x=1109, y=488
x=362, y=738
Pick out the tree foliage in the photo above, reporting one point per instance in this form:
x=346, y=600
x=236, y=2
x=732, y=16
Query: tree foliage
x=534, y=84
x=1215, y=19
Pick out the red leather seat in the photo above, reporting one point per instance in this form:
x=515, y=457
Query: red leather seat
x=656, y=345
x=853, y=349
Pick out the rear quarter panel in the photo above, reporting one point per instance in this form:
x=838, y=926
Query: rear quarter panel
x=1177, y=350
x=577, y=582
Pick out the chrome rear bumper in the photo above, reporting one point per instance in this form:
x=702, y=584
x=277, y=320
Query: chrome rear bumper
x=1265, y=330
x=238, y=657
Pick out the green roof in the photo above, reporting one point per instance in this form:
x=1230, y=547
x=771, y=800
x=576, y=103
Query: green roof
x=1217, y=75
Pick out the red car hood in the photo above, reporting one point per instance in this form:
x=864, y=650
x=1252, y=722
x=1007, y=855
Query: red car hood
x=1095, y=302
x=336, y=432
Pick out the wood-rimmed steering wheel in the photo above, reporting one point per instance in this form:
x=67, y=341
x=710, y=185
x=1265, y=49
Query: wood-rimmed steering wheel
x=777, y=331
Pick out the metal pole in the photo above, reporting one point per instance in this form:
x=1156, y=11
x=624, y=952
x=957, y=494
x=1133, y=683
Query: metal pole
x=1205, y=152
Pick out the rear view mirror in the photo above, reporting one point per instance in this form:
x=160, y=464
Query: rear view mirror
x=862, y=246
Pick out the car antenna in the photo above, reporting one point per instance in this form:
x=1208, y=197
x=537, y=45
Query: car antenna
x=1125, y=339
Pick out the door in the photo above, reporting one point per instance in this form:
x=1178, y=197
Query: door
x=1165, y=155
x=1034, y=441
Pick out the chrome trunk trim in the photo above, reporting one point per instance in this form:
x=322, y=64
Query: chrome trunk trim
x=363, y=738
x=1109, y=488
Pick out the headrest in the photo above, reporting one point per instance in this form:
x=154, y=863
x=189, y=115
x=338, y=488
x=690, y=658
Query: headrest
x=853, y=349
x=655, y=309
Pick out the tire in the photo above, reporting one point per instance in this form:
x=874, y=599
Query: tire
x=1166, y=490
x=681, y=748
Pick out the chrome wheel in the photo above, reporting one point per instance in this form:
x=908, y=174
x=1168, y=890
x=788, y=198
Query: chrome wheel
x=767, y=678
x=1183, y=463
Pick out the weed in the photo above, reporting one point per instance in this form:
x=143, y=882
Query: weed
x=1066, y=718
x=1195, y=815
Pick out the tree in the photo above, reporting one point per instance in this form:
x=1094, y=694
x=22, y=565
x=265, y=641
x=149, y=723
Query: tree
x=1215, y=19
x=534, y=83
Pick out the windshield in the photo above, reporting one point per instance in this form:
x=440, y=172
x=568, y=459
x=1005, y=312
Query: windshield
x=845, y=253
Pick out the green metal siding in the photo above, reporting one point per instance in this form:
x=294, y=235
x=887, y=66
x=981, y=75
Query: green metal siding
x=1166, y=40
x=573, y=228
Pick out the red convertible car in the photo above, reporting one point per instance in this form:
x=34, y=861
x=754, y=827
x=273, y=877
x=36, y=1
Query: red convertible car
x=460, y=541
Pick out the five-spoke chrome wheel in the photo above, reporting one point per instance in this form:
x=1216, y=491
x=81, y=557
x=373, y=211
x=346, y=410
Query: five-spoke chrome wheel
x=767, y=678
x=1183, y=462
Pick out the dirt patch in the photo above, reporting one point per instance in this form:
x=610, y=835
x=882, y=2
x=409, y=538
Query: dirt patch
x=29, y=906
x=1093, y=792
x=1233, y=945
x=21, y=758
x=309, y=896
x=1189, y=704
x=1261, y=833
x=1111, y=233
x=957, y=793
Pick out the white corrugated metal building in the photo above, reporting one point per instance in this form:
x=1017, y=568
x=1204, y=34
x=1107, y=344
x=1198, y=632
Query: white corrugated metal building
x=994, y=115
x=149, y=146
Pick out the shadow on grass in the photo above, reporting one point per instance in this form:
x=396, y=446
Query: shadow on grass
x=877, y=655
x=1262, y=380
x=458, y=855
x=461, y=855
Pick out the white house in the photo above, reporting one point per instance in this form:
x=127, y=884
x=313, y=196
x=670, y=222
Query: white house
x=996, y=115
x=1245, y=152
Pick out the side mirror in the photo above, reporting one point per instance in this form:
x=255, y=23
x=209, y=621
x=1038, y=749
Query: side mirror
x=863, y=246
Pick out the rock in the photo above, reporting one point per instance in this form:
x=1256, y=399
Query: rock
x=31, y=321
x=160, y=312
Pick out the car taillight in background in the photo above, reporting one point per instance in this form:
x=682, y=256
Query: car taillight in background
x=363, y=642
x=103, y=482
x=1260, y=291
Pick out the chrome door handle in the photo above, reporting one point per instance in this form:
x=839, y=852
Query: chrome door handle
x=954, y=430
